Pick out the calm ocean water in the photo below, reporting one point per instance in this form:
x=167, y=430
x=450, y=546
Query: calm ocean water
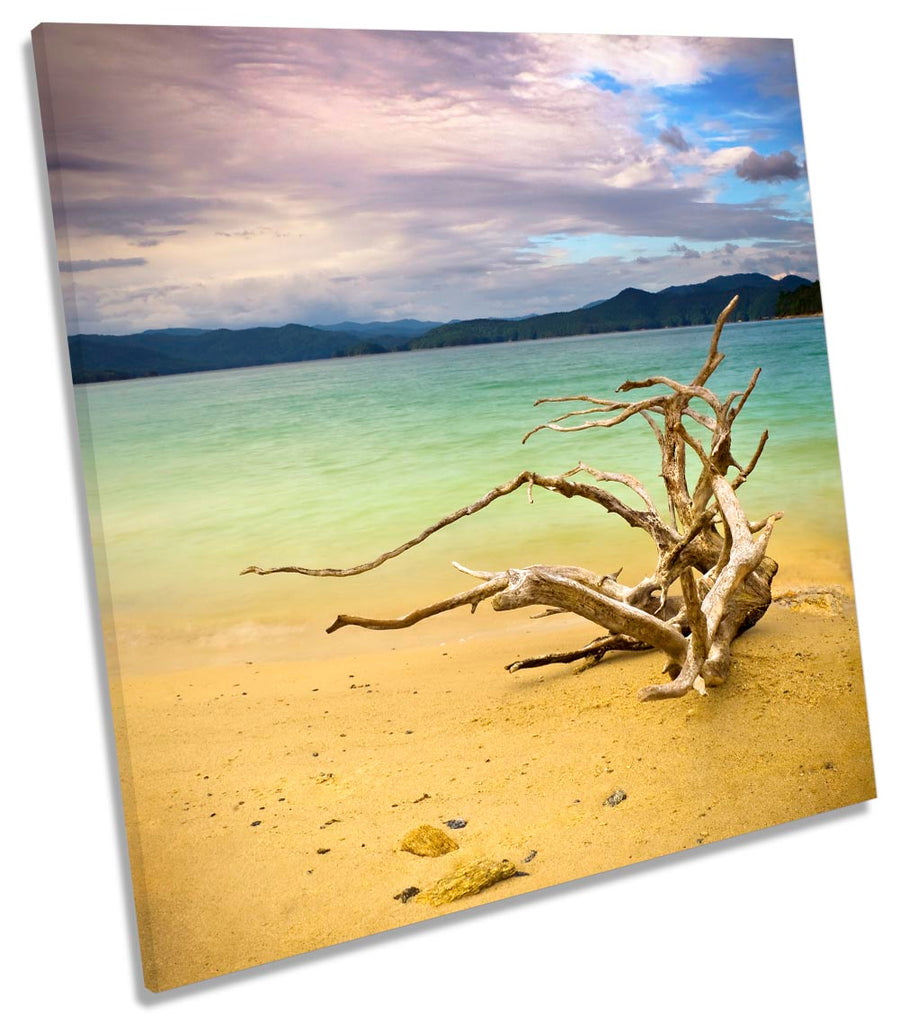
x=191, y=478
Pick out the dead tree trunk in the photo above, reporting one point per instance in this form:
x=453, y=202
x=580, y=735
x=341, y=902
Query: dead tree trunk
x=707, y=549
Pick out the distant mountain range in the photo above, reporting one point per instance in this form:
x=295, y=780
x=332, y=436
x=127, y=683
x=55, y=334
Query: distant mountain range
x=630, y=310
x=379, y=328
x=99, y=357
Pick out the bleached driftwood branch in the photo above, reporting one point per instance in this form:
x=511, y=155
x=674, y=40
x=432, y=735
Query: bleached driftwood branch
x=707, y=549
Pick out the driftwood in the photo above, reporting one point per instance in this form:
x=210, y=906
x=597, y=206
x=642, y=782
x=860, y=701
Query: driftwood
x=712, y=578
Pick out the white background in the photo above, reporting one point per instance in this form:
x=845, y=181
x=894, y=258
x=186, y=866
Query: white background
x=797, y=923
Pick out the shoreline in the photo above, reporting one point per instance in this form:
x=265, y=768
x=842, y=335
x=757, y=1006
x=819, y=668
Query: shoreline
x=288, y=616
x=236, y=775
x=82, y=380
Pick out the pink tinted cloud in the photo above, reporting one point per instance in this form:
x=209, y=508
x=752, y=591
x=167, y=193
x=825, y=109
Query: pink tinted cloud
x=289, y=166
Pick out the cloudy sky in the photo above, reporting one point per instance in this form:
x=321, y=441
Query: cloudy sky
x=210, y=177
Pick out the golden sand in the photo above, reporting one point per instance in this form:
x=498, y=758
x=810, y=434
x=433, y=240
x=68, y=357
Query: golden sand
x=266, y=803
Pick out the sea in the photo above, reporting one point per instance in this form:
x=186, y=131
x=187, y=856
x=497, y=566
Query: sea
x=191, y=478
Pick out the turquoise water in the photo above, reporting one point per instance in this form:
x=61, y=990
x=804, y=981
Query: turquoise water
x=191, y=478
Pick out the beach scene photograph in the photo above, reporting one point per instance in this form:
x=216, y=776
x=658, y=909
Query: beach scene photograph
x=456, y=428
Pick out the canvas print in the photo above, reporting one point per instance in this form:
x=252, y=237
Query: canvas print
x=457, y=438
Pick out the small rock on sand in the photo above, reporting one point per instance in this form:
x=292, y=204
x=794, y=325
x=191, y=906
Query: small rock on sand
x=467, y=880
x=614, y=799
x=428, y=841
x=407, y=894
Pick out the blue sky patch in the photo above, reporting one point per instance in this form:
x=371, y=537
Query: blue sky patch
x=605, y=81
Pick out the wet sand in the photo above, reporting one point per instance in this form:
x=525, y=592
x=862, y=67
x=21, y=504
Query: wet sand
x=270, y=799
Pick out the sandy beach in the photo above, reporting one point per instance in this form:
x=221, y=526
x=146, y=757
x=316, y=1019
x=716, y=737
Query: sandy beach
x=267, y=802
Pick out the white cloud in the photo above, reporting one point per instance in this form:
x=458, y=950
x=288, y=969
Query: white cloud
x=282, y=175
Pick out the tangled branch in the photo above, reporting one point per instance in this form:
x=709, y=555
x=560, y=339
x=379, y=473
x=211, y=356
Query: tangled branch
x=707, y=549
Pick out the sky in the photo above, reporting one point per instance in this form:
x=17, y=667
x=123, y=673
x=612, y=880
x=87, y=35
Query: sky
x=216, y=177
